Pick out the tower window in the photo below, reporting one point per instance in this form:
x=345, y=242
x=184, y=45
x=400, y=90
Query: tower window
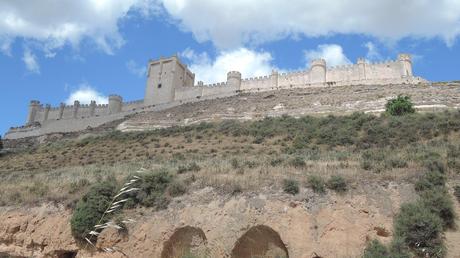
x=159, y=85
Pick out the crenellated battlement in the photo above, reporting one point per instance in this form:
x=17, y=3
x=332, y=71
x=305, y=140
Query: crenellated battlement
x=169, y=83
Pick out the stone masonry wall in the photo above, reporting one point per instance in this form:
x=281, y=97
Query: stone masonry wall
x=177, y=82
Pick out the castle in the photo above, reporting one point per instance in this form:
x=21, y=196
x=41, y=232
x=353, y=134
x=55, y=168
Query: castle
x=171, y=83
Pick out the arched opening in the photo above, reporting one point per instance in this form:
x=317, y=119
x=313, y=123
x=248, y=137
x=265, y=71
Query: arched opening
x=185, y=242
x=260, y=242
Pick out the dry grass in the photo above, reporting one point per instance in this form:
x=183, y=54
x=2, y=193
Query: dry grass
x=232, y=162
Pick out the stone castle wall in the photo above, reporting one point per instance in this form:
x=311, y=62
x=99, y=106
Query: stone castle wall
x=170, y=83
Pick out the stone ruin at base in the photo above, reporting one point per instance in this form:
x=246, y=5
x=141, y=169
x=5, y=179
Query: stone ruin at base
x=171, y=83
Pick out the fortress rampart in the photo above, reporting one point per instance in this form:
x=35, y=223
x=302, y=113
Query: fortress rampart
x=171, y=83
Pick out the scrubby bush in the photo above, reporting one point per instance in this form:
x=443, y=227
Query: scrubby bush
x=453, y=158
x=337, y=183
x=90, y=208
x=152, y=189
x=375, y=249
x=435, y=165
x=297, y=162
x=317, y=184
x=429, y=181
x=398, y=249
x=177, y=189
x=276, y=162
x=419, y=229
x=191, y=167
x=291, y=186
x=235, y=163
x=76, y=186
x=439, y=202
x=400, y=106
x=457, y=192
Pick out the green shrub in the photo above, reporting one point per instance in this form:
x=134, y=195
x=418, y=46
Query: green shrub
x=177, y=189
x=429, y=181
x=152, y=188
x=453, y=158
x=276, y=162
x=78, y=185
x=419, y=229
x=400, y=106
x=375, y=249
x=396, y=162
x=435, y=165
x=439, y=202
x=337, y=183
x=297, y=162
x=191, y=167
x=457, y=192
x=291, y=186
x=90, y=208
x=398, y=249
x=235, y=163
x=317, y=184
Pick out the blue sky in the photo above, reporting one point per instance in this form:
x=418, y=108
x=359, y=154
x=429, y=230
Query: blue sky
x=58, y=50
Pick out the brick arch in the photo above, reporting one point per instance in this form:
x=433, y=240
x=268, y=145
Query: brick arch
x=260, y=241
x=184, y=241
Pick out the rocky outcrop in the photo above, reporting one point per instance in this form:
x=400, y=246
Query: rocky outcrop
x=301, y=226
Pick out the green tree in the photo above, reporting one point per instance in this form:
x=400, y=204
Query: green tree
x=90, y=209
x=399, y=106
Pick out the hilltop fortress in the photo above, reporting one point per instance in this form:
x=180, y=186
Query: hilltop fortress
x=170, y=83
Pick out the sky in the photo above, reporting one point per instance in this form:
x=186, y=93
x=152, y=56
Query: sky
x=60, y=50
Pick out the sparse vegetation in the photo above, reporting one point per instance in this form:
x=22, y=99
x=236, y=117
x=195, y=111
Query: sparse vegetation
x=375, y=249
x=337, y=183
x=224, y=154
x=399, y=106
x=291, y=186
x=457, y=192
x=317, y=184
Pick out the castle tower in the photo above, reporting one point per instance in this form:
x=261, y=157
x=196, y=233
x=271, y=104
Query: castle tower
x=274, y=78
x=318, y=71
x=362, y=68
x=115, y=104
x=234, y=80
x=34, y=106
x=61, y=110
x=92, y=108
x=47, y=111
x=406, y=65
x=76, y=106
x=163, y=77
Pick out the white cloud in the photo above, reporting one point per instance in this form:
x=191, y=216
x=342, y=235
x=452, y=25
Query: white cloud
x=234, y=23
x=30, y=60
x=85, y=93
x=136, y=69
x=333, y=54
x=55, y=23
x=250, y=63
x=373, y=53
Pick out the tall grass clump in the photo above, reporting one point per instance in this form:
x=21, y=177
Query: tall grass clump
x=317, y=184
x=337, y=183
x=291, y=186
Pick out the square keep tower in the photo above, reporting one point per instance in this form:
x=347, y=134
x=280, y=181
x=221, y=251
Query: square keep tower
x=163, y=77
